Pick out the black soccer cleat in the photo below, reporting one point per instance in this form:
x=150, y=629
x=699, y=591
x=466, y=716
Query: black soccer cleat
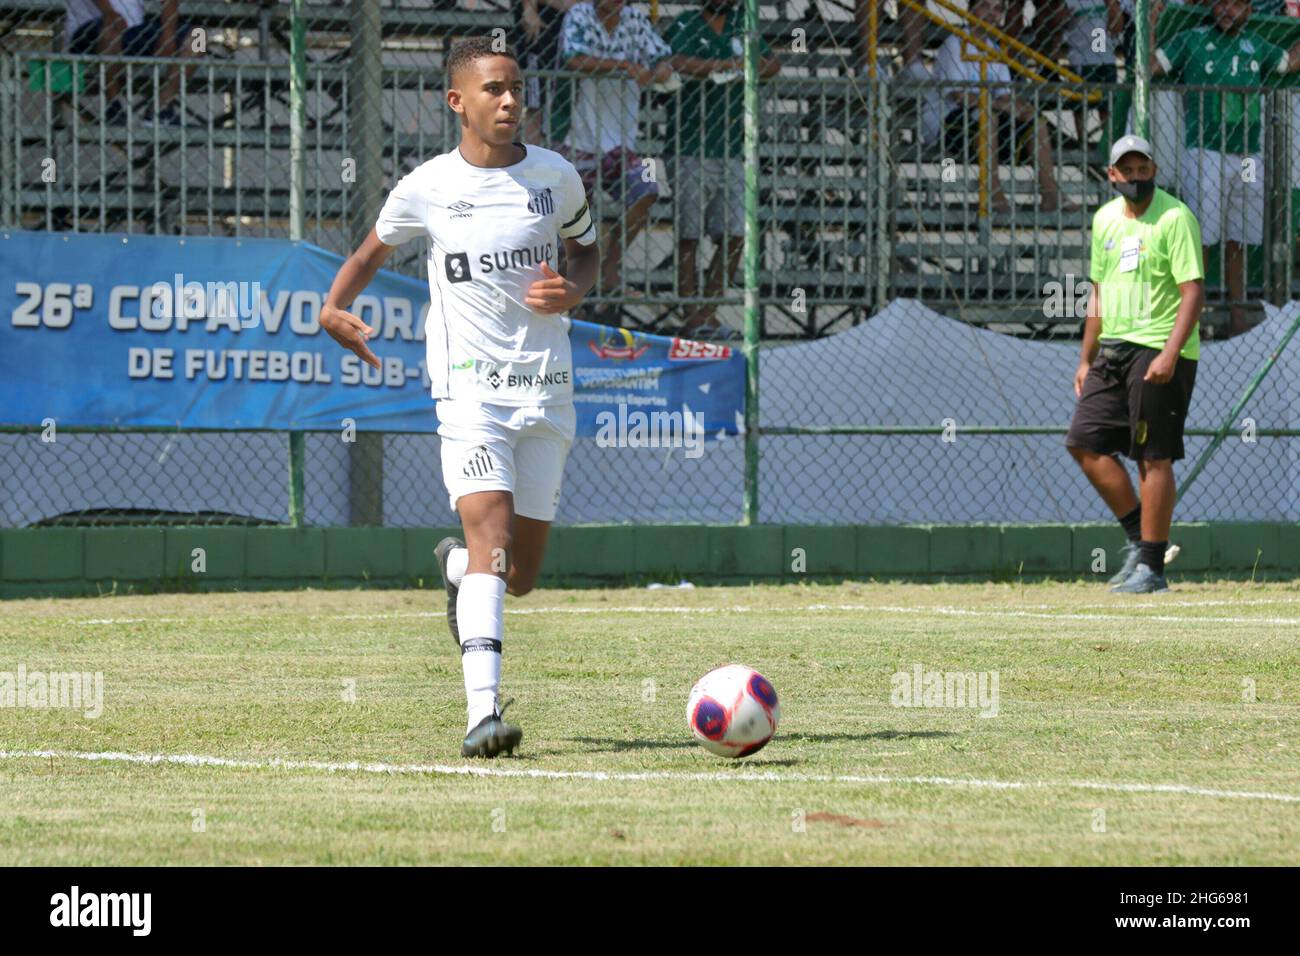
x=491, y=736
x=440, y=551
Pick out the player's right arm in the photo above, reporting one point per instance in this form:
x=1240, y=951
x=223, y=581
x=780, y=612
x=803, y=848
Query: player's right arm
x=343, y=327
x=1092, y=324
x=1091, y=338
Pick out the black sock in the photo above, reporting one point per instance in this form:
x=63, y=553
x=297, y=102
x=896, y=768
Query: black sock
x=1132, y=523
x=1153, y=555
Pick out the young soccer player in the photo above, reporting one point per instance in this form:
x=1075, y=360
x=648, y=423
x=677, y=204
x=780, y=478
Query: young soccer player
x=493, y=211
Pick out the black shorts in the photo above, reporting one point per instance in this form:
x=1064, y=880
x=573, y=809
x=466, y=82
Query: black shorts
x=1120, y=414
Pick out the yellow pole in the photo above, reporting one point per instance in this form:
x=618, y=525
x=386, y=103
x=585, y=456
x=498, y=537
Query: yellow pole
x=873, y=25
x=1009, y=41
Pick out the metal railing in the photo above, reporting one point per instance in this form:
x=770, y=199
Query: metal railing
x=854, y=208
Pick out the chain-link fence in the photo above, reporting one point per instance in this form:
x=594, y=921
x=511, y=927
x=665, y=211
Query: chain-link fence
x=924, y=179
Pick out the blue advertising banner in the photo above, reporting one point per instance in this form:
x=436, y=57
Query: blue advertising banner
x=214, y=333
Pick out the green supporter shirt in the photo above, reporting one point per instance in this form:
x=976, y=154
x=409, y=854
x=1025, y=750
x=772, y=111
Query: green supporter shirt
x=1221, y=121
x=715, y=109
x=1140, y=304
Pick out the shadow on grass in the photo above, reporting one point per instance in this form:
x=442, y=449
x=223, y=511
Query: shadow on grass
x=875, y=735
x=613, y=745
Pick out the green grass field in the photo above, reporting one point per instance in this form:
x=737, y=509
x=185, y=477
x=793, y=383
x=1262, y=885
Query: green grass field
x=1125, y=731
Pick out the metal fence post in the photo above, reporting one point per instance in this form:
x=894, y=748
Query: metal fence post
x=297, y=469
x=1141, y=67
x=365, y=123
x=884, y=236
x=1277, y=177
x=752, y=240
x=297, y=111
x=8, y=127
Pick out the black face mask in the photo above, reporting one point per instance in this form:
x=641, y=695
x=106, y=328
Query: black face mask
x=1137, y=190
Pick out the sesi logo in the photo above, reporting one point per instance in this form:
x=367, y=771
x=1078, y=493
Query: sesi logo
x=685, y=349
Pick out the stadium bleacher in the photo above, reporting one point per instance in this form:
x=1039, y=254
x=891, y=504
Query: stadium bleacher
x=226, y=172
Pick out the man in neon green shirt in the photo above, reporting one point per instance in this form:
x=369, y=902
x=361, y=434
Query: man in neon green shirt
x=1222, y=171
x=1141, y=343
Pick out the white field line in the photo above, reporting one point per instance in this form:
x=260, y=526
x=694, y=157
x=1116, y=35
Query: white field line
x=197, y=760
x=942, y=610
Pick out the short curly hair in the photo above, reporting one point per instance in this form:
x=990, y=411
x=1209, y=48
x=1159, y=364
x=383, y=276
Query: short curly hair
x=466, y=51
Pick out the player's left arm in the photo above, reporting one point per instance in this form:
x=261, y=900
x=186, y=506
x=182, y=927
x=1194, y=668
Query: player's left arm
x=1188, y=271
x=1162, y=366
x=555, y=294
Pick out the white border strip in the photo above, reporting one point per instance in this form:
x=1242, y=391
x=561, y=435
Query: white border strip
x=197, y=760
x=940, y=610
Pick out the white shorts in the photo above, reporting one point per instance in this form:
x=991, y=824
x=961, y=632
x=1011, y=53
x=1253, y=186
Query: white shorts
x=506, y=448
x=1226, y=192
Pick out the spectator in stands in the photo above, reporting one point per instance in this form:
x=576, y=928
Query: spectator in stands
x=708, y=171
x=120, y=28
x=1045, y=30
x=1222, y=169
x=617, y=45
x=912, y=24
x=1016, y=131
x=542, y=22
x=1092, y=38
x=101, y=27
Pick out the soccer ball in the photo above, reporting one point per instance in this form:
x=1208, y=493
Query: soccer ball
x=733, y=711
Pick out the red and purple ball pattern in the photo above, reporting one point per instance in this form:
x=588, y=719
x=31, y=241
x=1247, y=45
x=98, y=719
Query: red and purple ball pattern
x=733, y=711
x=762, y=690
x=710, y=718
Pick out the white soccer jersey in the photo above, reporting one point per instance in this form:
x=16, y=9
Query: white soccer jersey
x=489, y=231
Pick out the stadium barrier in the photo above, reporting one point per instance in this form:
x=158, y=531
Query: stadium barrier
x=860, y=226
x=71, y=562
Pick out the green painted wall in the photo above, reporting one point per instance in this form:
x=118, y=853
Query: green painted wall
x=75, y=561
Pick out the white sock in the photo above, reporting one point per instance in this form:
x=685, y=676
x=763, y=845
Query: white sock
x=457, y=562
x=480, y=607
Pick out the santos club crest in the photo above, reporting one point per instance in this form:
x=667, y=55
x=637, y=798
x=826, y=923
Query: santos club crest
x=540, y=201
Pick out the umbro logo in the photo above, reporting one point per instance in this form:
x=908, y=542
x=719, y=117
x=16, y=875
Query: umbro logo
x=461, y=208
